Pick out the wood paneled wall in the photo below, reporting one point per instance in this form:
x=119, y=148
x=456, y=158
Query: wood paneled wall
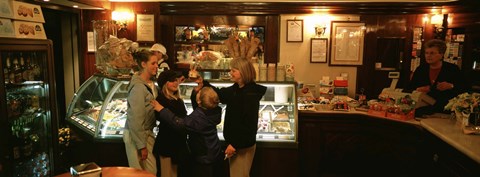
x=129, y=33
x=383, y=20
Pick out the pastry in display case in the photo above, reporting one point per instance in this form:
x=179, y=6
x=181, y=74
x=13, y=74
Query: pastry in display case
x=99, y=108
x=277, y=116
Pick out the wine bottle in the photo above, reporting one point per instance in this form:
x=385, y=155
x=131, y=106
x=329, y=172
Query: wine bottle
x=27, y=144
x=17, y=71
x=16, y=142
x=11, y=73
x=6, y=69
x=31, y=75
x=24, y=66
x=36, y=68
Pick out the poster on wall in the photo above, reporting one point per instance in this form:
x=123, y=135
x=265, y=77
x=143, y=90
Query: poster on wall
x=347, y=40
x=145, y=27
x=318, y=50
x=90, y=42
x=294, y=30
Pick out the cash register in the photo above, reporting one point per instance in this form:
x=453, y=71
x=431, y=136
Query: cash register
x=421, y=99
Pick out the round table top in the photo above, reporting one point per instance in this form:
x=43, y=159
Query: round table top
x=118, y=172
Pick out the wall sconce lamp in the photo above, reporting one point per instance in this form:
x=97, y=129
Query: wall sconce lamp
x=320, y=30
x=121, y=18
x=437, y=21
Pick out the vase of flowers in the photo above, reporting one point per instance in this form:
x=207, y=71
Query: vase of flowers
x=465, y=107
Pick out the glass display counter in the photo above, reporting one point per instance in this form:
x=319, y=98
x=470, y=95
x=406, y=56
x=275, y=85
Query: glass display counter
x=99, y=108
x=277, y=112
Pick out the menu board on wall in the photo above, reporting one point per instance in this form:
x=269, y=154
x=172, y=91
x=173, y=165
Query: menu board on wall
x=145, y=27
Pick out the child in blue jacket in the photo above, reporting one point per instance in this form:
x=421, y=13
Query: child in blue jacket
x=201, y=125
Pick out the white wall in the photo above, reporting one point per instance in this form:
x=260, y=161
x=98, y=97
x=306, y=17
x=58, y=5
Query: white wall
x=298, y=53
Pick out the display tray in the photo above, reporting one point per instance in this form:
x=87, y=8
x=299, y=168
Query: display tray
x=83, y=123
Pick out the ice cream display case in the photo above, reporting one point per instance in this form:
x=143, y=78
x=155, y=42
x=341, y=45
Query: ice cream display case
x=99, y=108
x=278, y=114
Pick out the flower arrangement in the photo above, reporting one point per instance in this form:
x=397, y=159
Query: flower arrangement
x=465, y=103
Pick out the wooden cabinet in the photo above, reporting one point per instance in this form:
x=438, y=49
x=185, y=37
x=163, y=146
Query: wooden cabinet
x=359, y=145
x=448, y=161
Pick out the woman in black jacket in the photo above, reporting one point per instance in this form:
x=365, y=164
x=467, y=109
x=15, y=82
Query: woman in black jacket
x=170, y=148
x=439, y=79
x=241, y=116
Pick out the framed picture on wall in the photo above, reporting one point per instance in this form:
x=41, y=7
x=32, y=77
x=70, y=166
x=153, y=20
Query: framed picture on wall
x=90, y=42
x=347, y=40
x=294, y=30
x=146, y=27
x=318, y=50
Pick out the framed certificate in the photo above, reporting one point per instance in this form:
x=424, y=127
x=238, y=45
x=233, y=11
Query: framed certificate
x=347, y=40
x=145, y=27
x=90, y=42
x=294, y=30
x=318, y=50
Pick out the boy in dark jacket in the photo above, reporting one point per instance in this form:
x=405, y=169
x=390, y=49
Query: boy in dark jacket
x=201, y=126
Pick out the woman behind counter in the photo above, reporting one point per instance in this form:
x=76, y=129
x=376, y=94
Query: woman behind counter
x=138, y=133
x=439, y=79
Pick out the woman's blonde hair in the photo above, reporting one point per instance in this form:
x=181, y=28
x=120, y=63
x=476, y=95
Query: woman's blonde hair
x=142, y=56
x=207, y=98
x=168, y=94
x=246, y=69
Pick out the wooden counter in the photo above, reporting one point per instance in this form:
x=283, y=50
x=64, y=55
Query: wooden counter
x=451, y=133
x=332, y=141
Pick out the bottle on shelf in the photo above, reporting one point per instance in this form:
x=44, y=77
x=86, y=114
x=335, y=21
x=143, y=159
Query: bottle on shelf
x=36, y=69
x=6, y=69
x=17, y=142
x=11, y=73
x=23, y=68
x=26, y=144
x=31, y=76
x=17, y=71
x=27, y=69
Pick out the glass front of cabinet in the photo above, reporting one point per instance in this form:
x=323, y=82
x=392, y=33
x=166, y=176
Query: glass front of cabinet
x=100, y=107
x=277, y=112
x=27, y=103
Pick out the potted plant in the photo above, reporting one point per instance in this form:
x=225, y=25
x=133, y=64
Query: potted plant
x=465, y=106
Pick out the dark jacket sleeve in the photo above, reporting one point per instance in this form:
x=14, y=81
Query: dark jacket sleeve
x=419, y=79
x=167, y=116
